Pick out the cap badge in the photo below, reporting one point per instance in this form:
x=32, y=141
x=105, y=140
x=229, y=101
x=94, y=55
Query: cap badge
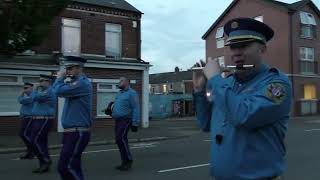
x=234, y=25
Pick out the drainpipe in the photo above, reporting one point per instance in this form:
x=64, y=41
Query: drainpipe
x=291, y=13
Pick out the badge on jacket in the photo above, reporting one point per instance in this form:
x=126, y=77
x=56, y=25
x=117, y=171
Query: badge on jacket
x=276, y=92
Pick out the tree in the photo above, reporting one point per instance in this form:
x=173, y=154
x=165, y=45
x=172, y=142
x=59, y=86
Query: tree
x=24, y=23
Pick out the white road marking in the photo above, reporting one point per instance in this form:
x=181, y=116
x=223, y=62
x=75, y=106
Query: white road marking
x=309, y=130
x=312, y=121
x=137, y=146
x=182, y=168
x=207, y=140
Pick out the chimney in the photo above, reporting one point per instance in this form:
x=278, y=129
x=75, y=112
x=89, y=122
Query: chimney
x=176, y=69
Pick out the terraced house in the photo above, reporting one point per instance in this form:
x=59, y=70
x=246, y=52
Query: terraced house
x=107, y=33
x=295, y=48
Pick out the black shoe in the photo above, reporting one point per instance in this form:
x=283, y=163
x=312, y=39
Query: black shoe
x=27, y=156
x=125, y=166
x=42, y=169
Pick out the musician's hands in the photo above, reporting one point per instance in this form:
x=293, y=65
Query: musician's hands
x=211, y=69
x=61, y=73
x=198, y=78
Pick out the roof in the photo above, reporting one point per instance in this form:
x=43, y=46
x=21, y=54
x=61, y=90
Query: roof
x=116, y=4
x=290, y=7
x=170, y=77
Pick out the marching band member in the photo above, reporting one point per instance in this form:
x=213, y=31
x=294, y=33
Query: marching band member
x=248, y=111
x=75, y=87
x=43, y=113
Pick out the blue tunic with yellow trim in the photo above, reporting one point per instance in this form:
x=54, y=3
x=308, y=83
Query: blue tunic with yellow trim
x=248, y=123
x=78, y=101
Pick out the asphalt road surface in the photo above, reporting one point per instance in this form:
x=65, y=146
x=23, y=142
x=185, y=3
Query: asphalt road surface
x=183, y=158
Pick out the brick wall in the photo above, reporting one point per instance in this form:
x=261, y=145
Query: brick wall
x=93, y=33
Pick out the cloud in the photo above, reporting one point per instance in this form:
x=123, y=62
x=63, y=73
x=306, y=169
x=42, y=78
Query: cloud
x=172, y=30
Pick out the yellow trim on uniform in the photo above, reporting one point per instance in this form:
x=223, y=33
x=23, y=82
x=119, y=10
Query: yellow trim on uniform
x=240, y=41
x=243, y=38
x=246, y=37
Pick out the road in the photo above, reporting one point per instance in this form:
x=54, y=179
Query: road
x=184, y=158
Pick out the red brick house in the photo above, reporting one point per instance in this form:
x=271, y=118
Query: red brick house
x=107, y=33
x=172, y=89
x=295, y=48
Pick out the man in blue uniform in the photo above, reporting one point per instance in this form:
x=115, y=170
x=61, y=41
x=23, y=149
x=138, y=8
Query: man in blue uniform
x=126, y=113
x=75, y=87
x=26, y=101
x=43, y=112
x=246, y=112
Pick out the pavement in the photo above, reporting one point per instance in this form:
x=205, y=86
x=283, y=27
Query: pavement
x=103, y=136
x=184, y=154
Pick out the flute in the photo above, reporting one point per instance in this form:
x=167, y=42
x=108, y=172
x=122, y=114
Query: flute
x=231, y=67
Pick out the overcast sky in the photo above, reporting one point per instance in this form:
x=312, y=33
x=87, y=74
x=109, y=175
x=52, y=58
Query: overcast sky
x=172, y=30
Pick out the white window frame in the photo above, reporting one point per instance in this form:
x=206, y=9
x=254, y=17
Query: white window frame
x=120, y=39
x=307, y=54
x=99, y=90
x=114, y=83
x=306, y=60
x=310, y=29
x=19, y=82
x=63, y=38
x=307, y=18
x=220, y=38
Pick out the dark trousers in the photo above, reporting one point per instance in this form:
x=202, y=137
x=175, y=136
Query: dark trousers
x=39, y=138
x=25, y=133
x=121, y=134
x=74, y=144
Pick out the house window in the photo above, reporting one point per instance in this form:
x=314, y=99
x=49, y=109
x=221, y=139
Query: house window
x=71, y=37
x=307, y=62
x=221, y=61
x=165, y=88
x=309, y=92
x=106, y=93
x=309, y=103
x=259, y=18
x=307, y=18
x=9, y=104
x=34, y=80
x=308, y=25
x=308, y=31
x=113, y=41
x=10, y=88
x=4, y=79
x=219, y=37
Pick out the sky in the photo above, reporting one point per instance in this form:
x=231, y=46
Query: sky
x=172, y=30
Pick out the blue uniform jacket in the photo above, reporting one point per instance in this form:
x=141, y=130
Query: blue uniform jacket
x=78, y=101
x=44, y=103
x=252, y=117
x=126, y=106
x=26, y=102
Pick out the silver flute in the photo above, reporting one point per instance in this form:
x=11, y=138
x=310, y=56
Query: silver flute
x=230, y=67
